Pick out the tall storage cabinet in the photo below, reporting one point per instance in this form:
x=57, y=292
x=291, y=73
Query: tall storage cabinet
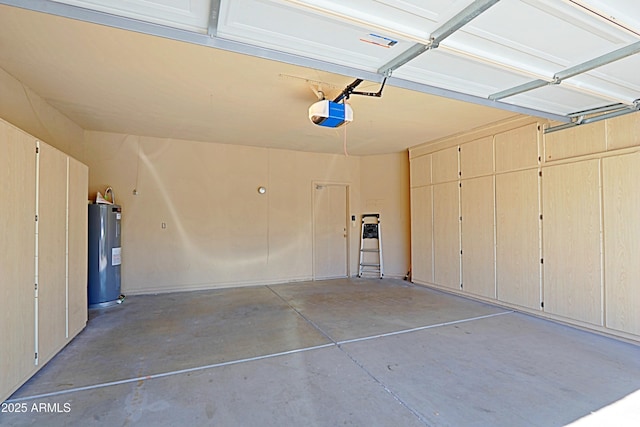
x=17, y=257
x=518, y=238
x=52, y=212
x=43, y=253
x=621, y=190
x=548, y=220
x=571, y=241
x=77, y=315
x=477, y=236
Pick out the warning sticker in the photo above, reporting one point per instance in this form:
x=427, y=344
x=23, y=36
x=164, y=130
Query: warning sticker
x=116, y=256
x=378, y=40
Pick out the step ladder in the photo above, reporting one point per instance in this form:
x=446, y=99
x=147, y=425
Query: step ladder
x=371, y=246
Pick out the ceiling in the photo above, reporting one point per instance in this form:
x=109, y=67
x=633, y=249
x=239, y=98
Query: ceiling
x=245, y=71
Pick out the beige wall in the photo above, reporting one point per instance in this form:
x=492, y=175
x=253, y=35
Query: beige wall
x=219, y=230
x=23, y=108
x=385, y=190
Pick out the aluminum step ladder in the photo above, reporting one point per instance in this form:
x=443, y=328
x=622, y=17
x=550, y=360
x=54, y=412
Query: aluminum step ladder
x=371, y=246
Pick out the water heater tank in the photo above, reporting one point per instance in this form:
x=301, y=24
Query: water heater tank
x=105, y=254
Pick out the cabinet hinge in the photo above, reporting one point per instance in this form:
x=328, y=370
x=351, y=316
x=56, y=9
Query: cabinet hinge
x=36, y=218
x=540, y=173
x=540, y=217
x=461, y=287
x=460, y=218
x=37, y=149
x=542, y=304
x=538, y=127
x=541, y=260
x=461, y=252
x=460, y=173
x=459, y=149
x=36, y=356
x=460, y=184
x=36, y=287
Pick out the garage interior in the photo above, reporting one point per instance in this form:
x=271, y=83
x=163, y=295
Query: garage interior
x=502, y=158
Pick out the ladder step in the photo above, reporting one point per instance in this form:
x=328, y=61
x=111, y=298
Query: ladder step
x=370, y=250
x=370, y=265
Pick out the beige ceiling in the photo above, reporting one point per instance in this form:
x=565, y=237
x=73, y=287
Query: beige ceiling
x=112, y=80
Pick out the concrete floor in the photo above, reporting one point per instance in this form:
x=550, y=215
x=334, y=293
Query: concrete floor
x=340, y=352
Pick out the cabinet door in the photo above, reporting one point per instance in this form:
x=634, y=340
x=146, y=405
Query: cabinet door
x=623, y=131
x=478, y=265
x=518, y=238
x=571, y=230
x=577, y=141
x=621, y=190
x=17, y=257
x=421, y=171
x=52, y=217
x=476, y=158
x=517, y=148
x=77, y=254
x=444, y=165
x=421, y=235
x=446, y=235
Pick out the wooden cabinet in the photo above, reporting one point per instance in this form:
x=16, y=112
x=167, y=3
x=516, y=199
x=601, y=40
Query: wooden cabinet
x=52, y=235
x=77, y=247
x=621, y=190
x=571, y=236
x=446, y=235
x=422, y=234
x=476, y=158
x=477, y=236
x=576, y=141
x=17, y=258
x=43, y=254
x=623, y=131
x=444, y=165
x=546, y=223
x=518, y=238
x=421, y=171
x=517, y=148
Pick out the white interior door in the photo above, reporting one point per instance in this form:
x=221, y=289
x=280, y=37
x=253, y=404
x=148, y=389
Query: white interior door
x=330, y=231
